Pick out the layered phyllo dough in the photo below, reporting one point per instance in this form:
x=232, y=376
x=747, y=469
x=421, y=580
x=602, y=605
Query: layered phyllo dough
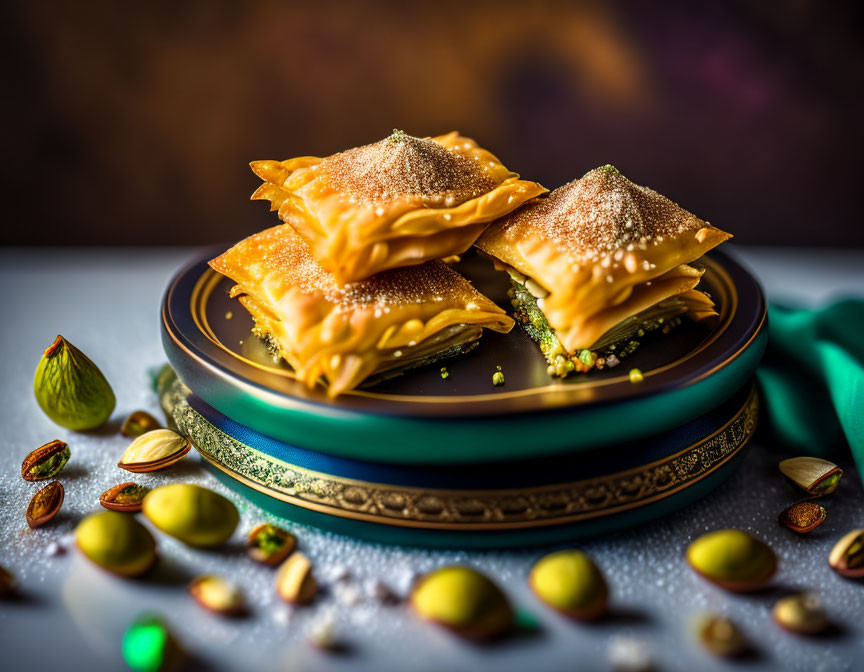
x=598, y=262
x=345, y=335
x=398, y=202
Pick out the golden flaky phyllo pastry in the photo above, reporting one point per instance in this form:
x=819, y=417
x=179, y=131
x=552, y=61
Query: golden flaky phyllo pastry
x=397, y=202
x=396, y=320
x=600, y=259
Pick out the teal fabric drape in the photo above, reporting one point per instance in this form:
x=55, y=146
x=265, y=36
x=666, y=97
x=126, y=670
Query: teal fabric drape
x=812, y=379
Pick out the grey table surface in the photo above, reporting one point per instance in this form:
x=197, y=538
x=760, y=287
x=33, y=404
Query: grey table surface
x=71, y=616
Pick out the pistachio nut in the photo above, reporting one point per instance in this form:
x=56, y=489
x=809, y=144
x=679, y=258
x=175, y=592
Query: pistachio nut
x=802, y=614
x=571, y=583
x=46, y=461
x=116, y=542
x=7, y=582
x=847, y=556
x=138, y=423
x=71, y=389
x=45, y=504
x=803, y=516
x=154, y=450
x=149, y=646
x=218, y=595
x=812, y=474
x=463, y=600
x=193, y=514
x=720, y=636
x=126, y=497
x=294, y=581
x=270, y=545
x=733, y=560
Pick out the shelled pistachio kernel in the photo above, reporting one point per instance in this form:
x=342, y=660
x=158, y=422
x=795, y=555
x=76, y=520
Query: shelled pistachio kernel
x=803, y=516
x=294, y=581
x=126, y=497
x=46, y=461
x=218, y=595
x=812, y=474
x=149, y=646
x=847, y=556
x=191, y=513
x=802, y=614
x=732, y=559
x=116, y=542
x=463, y=600
x=45, y=504
x=720, y=636
x=154, y=450
x=270, y=545
x=571, y=583
x=7, y=582
x=138, y=423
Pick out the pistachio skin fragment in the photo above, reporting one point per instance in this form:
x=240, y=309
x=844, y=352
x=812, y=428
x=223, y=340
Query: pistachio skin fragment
x=294, y=581
x=125, y=497
x=116, y=542
x=270, y=545
x=71, y=389
x=193, y=514
x=464, y=601
x=46, y=461
x=45, y=504
x=569, y=582
x=812, y=474
x=138, y=423
x=732, y=559
x=802, y=614
x=847, y=556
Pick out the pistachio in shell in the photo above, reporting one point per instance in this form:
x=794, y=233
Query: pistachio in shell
x=847, y=556
x=733, y=560
x=156, y=449
x=46, y=461
x=116, y=542
x=463, y=600
x=125, y=497
x=7, y=582
x=149, y=646
x=193, y=514
x=138, y=423
x=720, y=636
x=217, y=595
x=812, y=474
x=571, y=583
x=803, y=516
x=294, y=580
x=45, y=504
x=802, y=614
x=270, y=545
x=71, y=389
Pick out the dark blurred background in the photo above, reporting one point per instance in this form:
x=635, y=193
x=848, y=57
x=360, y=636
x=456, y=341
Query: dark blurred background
x=133, y=123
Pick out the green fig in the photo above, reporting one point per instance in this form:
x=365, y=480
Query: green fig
x=71, y=389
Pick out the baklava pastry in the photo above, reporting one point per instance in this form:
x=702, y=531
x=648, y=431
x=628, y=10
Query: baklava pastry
x=345, y=335
x=599, y=263
x=398, y=202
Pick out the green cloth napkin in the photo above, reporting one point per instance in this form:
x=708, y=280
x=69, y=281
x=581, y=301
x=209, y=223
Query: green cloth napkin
x=812, y=379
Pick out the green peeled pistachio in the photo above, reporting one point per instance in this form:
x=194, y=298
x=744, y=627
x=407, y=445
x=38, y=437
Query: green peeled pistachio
x=194, y=515
x=464, y=601
x=802, y=614
x=571, y=583
x=720, y=636
x=149, y=646
x=733, y=560
x=71, y=389
x=116, y=542
x=812, y=474
x=847, y=556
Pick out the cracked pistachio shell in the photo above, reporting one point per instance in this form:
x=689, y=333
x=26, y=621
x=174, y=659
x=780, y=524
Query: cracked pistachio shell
x=847, y=556
x=733, y=560
x=154, y=450
x=126, y=497
x=217, y=595
x=720, y=636
x=138, y=423
x=802, y=614
x=193, y=514
x=45, y=504
x=812, y=474
x=270, y=545
x=570, y=582
x=46, y=461
x=71, y=389
x=294, y=580
x=463, y=600
x=116, y=542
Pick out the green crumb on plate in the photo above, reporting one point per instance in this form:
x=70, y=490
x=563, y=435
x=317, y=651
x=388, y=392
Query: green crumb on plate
x=445, y=374
x=498, y=377
x=636, y=376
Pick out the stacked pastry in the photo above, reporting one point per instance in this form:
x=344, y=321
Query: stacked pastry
x=350, y=286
